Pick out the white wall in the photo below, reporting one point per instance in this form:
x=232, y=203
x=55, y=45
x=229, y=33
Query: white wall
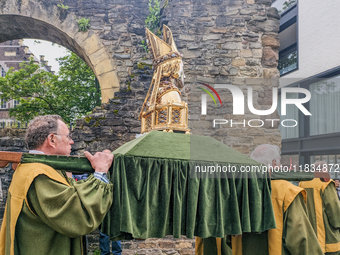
x=318, y=37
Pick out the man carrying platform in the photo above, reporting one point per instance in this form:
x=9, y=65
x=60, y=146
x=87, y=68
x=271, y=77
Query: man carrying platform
x=47, y=212
x=324, y=211
x=293, y=235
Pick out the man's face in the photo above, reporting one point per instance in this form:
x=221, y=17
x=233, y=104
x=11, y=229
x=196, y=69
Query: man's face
x=63, y=142
x=337, y=183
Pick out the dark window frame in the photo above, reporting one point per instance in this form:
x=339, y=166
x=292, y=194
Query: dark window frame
x=315, y=147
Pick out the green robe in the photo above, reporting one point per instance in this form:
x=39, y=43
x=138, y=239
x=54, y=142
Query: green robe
x=55, y=211
x=294, y=234
x=324, y=213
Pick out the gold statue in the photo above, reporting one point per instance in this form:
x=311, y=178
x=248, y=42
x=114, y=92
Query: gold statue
x=163, y=108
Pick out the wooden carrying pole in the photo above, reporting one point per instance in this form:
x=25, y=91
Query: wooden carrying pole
x=10, y=157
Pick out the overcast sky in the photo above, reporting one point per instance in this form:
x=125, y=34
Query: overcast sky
x=45, y=48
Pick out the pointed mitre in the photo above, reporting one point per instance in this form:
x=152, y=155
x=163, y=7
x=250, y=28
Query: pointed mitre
x=162, y=50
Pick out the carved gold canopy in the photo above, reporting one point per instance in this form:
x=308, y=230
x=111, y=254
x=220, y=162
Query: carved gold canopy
x=163, y=108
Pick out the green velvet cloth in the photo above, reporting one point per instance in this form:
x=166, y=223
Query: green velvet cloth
x=156, y=197
x=157, y=144
x=66, y=163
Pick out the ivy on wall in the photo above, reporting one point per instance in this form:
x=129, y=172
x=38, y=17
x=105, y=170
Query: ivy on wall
x=153, y=20
x=83, y=24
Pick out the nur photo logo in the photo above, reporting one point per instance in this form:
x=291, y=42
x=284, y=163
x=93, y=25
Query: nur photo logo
x=238, y=104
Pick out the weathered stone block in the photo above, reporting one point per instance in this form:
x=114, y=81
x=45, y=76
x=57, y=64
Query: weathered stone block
x=121, y=56
x=222, y=21
x=213, y=70
x=190, y=53
x=270, y=57
x=232, y=46
x=255, y=45
x=248, y=11
x=247, y=53
x=271, y=72
x=269, y=26
x=221, y=61
x=219, y=30
x=257, y=53
x=187, y=37
x=266, y=2
x=271, y=40
x=248, y=71
x=238, y=62
x=211, y=37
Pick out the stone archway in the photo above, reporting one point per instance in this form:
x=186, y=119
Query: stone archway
x=46, y=21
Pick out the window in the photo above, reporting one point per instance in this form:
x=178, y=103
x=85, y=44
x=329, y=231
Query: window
x=10, y=53
x=318, y=135
x=292, y=113
x=2, y=72
x=325, y=106
x=288, y=60
x=3, y=104
x=15, y=103
x=333, y=162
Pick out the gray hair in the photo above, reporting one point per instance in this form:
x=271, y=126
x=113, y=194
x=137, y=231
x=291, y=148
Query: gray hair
x=39, y=129
x=319, y=166
x=266, y=153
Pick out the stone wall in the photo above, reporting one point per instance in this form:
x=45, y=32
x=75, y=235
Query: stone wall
x=228, y=42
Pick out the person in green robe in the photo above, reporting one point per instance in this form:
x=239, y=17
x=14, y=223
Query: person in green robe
x=293, y=235
x=47, y=212
x=324, y=211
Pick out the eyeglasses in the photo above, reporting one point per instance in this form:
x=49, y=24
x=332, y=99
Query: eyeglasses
x=69, y=136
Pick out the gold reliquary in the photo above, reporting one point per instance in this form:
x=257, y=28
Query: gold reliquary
x=163, y=108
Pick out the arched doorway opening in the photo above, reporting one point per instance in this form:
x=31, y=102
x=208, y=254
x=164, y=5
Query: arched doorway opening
x=87, y=45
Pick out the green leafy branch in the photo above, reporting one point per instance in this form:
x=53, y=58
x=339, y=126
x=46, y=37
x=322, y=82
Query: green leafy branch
x=144, y=46
x=153, y=19
x=64, y=7
x=83, y=24
x=287, y=5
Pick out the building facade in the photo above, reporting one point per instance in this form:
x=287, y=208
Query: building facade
x=12, y=54
x=309, y=58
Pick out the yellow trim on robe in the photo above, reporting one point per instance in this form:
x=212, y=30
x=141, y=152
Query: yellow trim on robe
x=332, y=247
x=199, y=246
x=281, y=201
x=24, y=175
x=236, y=244
x=283, y=194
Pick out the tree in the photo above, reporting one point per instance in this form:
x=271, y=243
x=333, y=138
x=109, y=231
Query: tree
x=71, y=94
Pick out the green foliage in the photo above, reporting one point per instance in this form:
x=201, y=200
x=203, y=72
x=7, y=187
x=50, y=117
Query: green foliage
x=287, y=60
x=152, y=22
x=97, y=252
x=145, y=46
x=141, y=65
x=83, y=24
x=64, y=7
x=71, y=94
x=287, y=5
